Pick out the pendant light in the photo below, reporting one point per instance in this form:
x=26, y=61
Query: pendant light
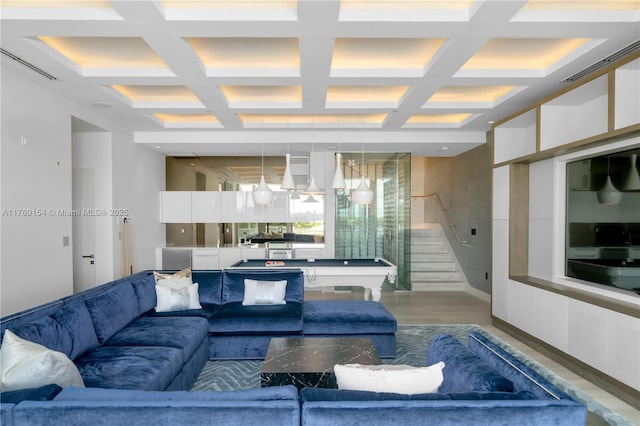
x=609, y=194
x=312, y=188
x=262, y=194
x=362, y=194
x=287, y=181
x=338, y=178
x=632, y=183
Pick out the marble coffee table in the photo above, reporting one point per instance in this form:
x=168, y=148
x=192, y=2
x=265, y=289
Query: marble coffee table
x=308, y=361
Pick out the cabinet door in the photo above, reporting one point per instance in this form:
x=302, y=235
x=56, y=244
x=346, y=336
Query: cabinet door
x=231, y=207
x=204, y=259
x=175, y=206
x=205, y=206
x=229, y=256
x=253, y=253
x=278, y=210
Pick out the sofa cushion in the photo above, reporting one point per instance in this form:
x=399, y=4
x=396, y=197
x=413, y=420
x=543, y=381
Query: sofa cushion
x=464, y=371
x=45, y=331
x=29, y=365
x=238, y=319
x=177, y=298
x=523, y=377
x=113, y=310
x=233, y=283
x=145, y=289
x=264, y=292
x=347, y=317
x=130, y=367
x=260, y=394
x=403, y=379
x=184, y=333
x=210, y=287
x=76, y=320
x=320, y=394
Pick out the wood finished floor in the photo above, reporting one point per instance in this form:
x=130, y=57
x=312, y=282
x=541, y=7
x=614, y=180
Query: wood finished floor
x=464, y=308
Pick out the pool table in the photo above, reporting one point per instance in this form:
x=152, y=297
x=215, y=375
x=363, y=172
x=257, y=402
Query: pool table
x=367, y=273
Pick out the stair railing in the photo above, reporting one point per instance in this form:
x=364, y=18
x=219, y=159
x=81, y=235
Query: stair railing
x=444, y=210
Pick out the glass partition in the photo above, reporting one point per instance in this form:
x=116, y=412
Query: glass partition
x=382, y=228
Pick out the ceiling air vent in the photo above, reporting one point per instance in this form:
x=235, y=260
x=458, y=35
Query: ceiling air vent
x=27, y=64
x=603, y=63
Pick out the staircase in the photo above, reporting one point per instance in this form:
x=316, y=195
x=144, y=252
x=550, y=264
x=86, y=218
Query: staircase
x=434, y=266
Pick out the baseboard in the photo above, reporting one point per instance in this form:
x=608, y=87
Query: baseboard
x=478, y=293
x=615, y=387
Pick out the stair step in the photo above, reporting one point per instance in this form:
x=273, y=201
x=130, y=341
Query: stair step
x=430, y=257
x=427, y=232
x=433, y=267
x=432, y=248
x=437, y=286
x=426, y=241
x=436, y=276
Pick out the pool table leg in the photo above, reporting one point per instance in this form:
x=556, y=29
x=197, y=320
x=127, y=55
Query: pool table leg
x=372, y=294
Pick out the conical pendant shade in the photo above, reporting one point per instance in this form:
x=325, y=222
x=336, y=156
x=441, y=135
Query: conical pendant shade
x=362, y=194
x=287, y=180
x=313, y=189
x=609, y=195
x=633, y=179
x=338, y=178
x=262, y=194
x=310, y=199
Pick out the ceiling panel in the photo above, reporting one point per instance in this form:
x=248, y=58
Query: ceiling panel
x=232, y=77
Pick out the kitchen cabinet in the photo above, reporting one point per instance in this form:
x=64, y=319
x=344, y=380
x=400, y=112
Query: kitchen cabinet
x=205, y=258
x=206, y=207
x=175, y=206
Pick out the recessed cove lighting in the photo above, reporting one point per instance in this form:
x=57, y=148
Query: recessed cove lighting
x=101, y=104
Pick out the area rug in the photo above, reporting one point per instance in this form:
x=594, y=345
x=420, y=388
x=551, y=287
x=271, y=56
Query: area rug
x=412, y=342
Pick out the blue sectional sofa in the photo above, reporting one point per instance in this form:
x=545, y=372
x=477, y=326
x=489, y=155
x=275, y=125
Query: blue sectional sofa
x=483, y=384
x=138, y=364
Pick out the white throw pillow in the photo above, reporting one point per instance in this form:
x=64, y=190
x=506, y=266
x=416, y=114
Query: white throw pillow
x=403, y=379
x=264, y=292
x=26, y=364
x=177, y=297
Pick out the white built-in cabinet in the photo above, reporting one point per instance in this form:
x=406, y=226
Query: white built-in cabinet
x=572, y=116
x=221, y=207
x=606, y=106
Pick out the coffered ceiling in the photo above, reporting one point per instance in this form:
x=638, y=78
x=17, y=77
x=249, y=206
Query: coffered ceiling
x=215, y=77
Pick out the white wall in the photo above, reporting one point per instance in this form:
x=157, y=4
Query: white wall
x=35, y=267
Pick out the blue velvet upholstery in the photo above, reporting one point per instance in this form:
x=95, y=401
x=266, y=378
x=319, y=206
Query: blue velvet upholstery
x=443, y=413
x=233, y=283
x=523, y=377
x=6, y=413
x=113, y=310
x=464, y=371
x=76, y=320
x=347, y=317
x=239, y=346
x=319, y=394
x=174, y=413
x=259, y=394
x=47, y=332
x=237, y=319
x=145, y=289
x=183, y=333
x=130, y=367
x=209, y=287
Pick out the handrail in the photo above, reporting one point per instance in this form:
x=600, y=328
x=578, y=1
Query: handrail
x=452, y=225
